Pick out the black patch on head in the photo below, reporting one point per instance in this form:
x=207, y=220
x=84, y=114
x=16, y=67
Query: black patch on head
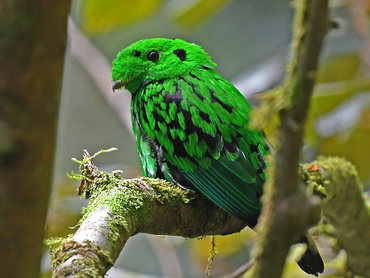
x=137, y=53
x=181, y=53
x=153, y=56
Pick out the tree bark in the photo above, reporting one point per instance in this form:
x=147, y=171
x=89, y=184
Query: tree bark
x=285, y=203
x=32, y=46
x=121, y=208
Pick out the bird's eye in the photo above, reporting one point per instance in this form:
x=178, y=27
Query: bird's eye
x=153, y=55
x=181, y=53
x=137, y=53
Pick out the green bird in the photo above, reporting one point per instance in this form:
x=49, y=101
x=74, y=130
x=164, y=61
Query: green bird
x=192, y=127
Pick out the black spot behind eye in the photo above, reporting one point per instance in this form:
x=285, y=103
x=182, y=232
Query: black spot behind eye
x=153, y=55
x=137, y=53
x=181, y=53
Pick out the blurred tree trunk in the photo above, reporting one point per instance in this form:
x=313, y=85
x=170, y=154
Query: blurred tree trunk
x=32, y=46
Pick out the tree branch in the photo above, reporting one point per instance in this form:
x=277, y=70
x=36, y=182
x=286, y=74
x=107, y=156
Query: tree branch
x=121, y=208
x=288, y=212
x=346, y=210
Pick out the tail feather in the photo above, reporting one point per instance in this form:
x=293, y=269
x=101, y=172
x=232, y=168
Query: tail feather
x=311, y=261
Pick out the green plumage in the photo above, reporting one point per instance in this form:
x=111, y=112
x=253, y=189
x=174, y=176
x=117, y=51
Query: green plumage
x=191, y=124
x=192, y=127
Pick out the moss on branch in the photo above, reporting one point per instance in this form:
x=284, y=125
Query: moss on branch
x=120, y=208
x=345, y=209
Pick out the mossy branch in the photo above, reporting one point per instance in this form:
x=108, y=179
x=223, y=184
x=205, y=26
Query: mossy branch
x=346, y=210
x=120, y=208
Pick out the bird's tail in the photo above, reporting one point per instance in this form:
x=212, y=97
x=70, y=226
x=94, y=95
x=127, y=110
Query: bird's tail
x=311, y=261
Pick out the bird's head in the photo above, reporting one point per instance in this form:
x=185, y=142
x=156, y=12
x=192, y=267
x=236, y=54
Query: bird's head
x=156, y=59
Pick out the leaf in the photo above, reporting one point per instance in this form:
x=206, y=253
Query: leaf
x=199, y=12
x=336, y=83
x=354, y=147
x=104, y=16
x=339, y=116
x=339, y=68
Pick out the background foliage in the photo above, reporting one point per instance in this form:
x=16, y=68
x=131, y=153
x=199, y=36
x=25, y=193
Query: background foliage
x=249, y=40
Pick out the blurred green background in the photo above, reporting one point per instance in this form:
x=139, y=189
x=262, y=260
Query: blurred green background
x=249, y=40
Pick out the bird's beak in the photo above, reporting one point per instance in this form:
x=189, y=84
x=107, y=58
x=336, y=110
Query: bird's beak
x=117, y=85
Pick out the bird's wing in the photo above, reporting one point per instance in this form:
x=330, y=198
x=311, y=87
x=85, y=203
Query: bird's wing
x=202, y=130
x=231, y=185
